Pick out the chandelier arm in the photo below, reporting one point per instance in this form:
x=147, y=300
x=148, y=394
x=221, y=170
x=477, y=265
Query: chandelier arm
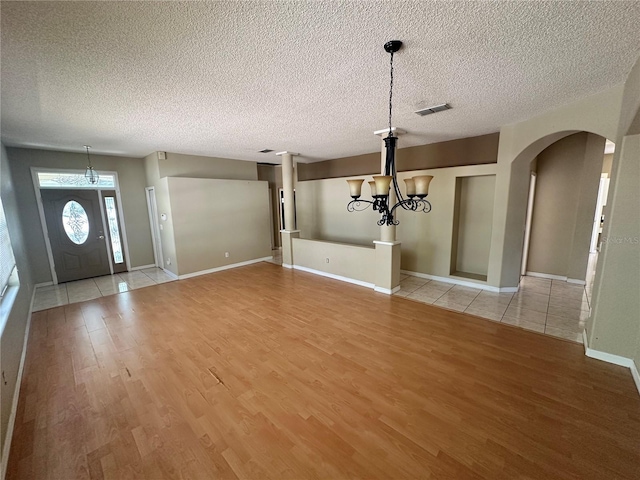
x=355, y=205
x=420, y=205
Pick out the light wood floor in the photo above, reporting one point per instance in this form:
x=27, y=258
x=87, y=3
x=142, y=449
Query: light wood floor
x=262, y=372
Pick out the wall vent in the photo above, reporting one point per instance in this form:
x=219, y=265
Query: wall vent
x=435, y=109
x=266, y=150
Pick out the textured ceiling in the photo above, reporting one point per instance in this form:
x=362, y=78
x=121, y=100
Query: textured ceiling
x=230, y=78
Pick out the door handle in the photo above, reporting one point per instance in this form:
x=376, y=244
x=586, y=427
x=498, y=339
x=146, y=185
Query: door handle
x=101, y=237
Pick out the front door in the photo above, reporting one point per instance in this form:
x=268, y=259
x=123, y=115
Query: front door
x=76, y=234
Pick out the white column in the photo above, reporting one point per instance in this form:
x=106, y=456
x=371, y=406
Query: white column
x=289, y=232
x=387, y=248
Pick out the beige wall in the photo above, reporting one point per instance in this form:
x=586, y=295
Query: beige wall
x=209, y=220
x=14, y=325
x=614, y=326
x=519, y=144
x=463, y=151
x=131, y=176
x=196, y=166
x=472, y=235
x=426, y=238
x=350, y=261
x=568, y=176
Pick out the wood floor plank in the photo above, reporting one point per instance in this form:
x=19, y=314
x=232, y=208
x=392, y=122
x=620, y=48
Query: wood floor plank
x=262, y=372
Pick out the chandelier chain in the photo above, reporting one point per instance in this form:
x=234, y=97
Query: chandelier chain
x=391, y=93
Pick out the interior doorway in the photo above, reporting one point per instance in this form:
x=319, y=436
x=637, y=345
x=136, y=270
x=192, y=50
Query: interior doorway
x=295, y=213
x=155, y=226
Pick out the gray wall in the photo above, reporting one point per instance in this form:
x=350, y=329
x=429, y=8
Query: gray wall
x=273, y=175
x=211, y=217
x=194, y=237
x=13, y=333
x=568, y=176
x=131, y=175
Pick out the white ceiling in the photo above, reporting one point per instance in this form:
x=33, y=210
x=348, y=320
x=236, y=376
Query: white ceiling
x=230, y=78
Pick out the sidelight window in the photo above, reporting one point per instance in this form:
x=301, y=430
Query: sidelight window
x=114, y=231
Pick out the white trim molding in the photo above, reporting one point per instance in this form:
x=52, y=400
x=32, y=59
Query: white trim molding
x=463, y=283
x=142, y=267
x=43, y=284
x=576, y=281
x=224, y=267
x=380, y=242
x=611, y=358
x=387, y=291
x=16, y=393
x=171, y=274
x=545, y=275
x=287, y=265
x=335, y=277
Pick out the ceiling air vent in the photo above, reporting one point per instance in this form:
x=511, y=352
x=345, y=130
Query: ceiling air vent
x=266, y=150
x=435, y=109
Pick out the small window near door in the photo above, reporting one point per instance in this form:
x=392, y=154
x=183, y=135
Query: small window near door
x=75, y=222
x=73, y=180
x=114, y=230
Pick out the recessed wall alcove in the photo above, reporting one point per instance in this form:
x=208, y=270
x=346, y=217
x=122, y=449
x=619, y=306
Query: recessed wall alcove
x=472, y=223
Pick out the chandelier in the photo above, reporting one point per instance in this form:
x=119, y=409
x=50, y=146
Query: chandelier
x=90, y=174
x=417, y=188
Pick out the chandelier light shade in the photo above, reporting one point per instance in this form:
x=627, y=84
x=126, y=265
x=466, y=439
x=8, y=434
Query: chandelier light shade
x=417, y=188
x=90, y=174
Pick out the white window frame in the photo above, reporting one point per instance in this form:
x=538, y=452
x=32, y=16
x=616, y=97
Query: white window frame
x=45, y=231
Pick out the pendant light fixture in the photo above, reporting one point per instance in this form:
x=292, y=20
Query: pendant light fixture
x=417, y=188
x=90, y=174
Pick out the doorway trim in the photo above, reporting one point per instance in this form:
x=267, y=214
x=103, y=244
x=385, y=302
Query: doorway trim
x=527, y=227
x=150, y=193
x=43, y=223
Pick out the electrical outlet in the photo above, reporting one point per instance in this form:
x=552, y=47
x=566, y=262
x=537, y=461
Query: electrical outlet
x=327, y=259
x=168, y=261
x=226, y=254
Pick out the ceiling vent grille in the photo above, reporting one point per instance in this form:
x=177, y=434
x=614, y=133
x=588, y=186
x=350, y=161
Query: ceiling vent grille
x=266, y=150
x=435, y=109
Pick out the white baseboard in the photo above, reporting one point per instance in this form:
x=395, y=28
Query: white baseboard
x=170, y=273
x=335, y=277
x=635, y=374
x=16, y=392
x=43, y=284
x=611, y=358
x=287, y=265
x=224, y=267
x=142, y=267
x=576, y=281
x=546, y=275
x=463, y=283
x=388, y=291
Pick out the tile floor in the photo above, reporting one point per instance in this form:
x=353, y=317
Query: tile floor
x=90, y=288
x=547, y=306
x=553, y=307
